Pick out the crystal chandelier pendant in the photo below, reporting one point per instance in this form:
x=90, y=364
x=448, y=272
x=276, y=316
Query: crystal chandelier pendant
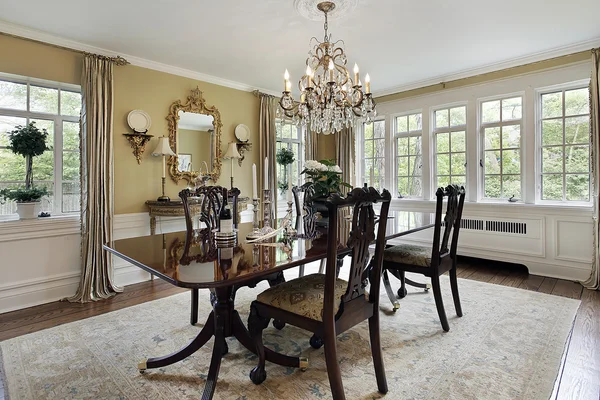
x=331, y=99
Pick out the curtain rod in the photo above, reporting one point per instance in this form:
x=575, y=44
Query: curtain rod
x=118, y=60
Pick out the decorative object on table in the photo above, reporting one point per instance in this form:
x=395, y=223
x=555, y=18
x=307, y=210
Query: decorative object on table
x=162, y=150
x=28, y=141
x=330, y=99
x=195, y=117
x=231, y=154
x=325, y=177
x=139, y=121
x=225, y=239
x=284, y=157
x=430, y=261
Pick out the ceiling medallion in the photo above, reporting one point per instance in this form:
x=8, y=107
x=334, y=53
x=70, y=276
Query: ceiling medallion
x=330, y=98
x=308, y=9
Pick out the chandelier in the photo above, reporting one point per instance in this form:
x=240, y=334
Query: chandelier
x=330, y=99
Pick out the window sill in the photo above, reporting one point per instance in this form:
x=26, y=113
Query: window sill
x=13, y=228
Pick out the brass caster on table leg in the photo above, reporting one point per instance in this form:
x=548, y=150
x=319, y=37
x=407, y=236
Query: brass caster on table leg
x=142, y=366
x=303, y=364
x=396, y=306
x=427, y=287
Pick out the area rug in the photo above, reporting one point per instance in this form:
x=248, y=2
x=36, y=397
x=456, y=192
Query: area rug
x=508, y=345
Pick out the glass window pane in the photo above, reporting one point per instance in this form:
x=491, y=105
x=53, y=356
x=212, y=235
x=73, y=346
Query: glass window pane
x=414, y=145
x=8, y=124
x=71, y=197
x=552, y=105
x=402, y=124
x=443, y=164
x=511, y=136
x=458, y=141
x=71, y=164
x=577, y=101
x=491, y=138
x=577, y=130
x=511, y=186
x=70, y=103
x=71, y=136
x=13, y=95
x=402, y=166
x=490, y=111
x=414, y=122
x=441, y=118
x=415, y=186
x=442, y=142
x=402, y=146
x=368, y=149
x=47, y=201
x=458, y=116
x=458, y=180
x=13, y=166
x=578, y=187
x=492, y=162
x=379, y=148
x=511, y=162
x=368, y=128
x=492, y=186
x=443, y=181
x=403, y=186
x=379, y=129
x=552, y=159
x=43, y=99
x=552, y=187
x=379, y=167
x=552, y=132
x=43, y=165
x=414, y=166
x=577, y=159
x=458, y=161
x=512, y=109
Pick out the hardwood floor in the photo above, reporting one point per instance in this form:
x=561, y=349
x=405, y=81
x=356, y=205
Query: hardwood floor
x=580, y=373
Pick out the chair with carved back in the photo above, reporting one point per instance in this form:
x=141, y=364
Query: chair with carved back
x=210, y=199
x=305, y=215
x=325, y=304
x=431, y=261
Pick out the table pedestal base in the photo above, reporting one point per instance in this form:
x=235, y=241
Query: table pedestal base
x=224, y=321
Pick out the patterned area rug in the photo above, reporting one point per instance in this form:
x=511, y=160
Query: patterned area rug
x=508, y=345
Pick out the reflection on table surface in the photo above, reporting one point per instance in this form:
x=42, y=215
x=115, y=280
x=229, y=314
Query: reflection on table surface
x=198, y=263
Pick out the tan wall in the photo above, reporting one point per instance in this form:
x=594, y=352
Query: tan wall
x=196, y=143
x=148, y=90
x=326, y=147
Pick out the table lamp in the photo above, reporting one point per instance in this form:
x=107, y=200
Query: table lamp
x=231, y=154
x=163, y=149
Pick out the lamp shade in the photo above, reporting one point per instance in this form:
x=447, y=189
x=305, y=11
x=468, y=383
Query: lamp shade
x=232, y=151
x=163, y=148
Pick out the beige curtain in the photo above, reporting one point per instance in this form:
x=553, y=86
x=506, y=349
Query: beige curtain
x=593, y=281
x=96, y=178
x=345, y=154
x=266, y=131
x=310, y=144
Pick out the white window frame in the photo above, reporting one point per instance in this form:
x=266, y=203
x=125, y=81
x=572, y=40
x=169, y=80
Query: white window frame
x=481, y=143
x=58, y=131
x=301, y=153
x=433, y=140
x=394, y=151
x=538, y=92
x=360, y=152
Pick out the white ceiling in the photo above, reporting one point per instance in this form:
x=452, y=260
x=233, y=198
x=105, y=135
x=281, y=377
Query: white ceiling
x=399, y=42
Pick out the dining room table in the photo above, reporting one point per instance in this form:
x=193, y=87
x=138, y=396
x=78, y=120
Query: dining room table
x=194, y=260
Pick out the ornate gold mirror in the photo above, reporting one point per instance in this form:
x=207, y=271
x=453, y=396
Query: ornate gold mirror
x=195, y=137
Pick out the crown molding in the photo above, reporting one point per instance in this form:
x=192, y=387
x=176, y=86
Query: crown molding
x=514, y=62
x=33, y=34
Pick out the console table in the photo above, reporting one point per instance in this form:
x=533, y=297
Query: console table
x=174, y=208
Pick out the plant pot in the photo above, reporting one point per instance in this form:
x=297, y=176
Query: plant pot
x=28, y=210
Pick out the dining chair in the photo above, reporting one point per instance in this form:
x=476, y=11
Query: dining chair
x=431, y=261
x=325, y=304
x=302, y=201
x=210, y=199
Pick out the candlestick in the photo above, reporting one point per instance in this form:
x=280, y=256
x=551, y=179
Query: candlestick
x=267, y=212
x=356, y=78
x=256, y=232
x=289, y=231
x=286, y=77
x=331, y=70
x=254, y=192
x=367, y=84
x=266, y=181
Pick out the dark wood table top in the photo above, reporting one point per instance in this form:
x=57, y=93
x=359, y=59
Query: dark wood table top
x=205, y=266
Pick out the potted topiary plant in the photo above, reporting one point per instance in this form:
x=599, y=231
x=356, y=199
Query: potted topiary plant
x=28, y=141
x=284, y=157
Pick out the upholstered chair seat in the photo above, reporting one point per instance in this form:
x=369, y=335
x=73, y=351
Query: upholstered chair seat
x=408, y=254
x=303, y=296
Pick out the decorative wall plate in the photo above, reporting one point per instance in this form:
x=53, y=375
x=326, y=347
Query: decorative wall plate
x=139, y=121
x=242, y=133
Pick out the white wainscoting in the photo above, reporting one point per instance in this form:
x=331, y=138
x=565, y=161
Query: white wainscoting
x=551, y=241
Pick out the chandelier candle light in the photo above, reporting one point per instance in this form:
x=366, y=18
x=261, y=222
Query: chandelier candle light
x=162, y=150
x=330, y=99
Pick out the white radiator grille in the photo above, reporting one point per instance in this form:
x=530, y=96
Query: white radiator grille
x=519, y=228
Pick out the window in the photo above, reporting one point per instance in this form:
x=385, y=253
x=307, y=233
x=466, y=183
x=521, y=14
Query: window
x=501, y=122
x=289, y=136
x=409, y=158
x=450, y=125
x=565, y=145
x=57, y=110
x=373, y=153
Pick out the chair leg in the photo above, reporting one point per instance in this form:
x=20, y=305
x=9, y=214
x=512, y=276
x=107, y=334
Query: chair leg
x=390, y=292
x=455, y=296
x=194, y=312
x=301, y=272
x=322, y=266
x=256, y=325
x=376, y=352
x=333, y=368
x=437, y=294
x=402, y=292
